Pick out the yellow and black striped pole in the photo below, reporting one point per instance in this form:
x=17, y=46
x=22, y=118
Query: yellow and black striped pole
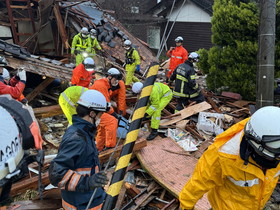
x=125, y=156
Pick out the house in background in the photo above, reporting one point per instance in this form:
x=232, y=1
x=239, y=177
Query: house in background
x=192, y=21
x=147, y=20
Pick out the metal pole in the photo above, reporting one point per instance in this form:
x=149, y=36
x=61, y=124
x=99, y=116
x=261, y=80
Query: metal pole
x=125, y=156
x=266, y=52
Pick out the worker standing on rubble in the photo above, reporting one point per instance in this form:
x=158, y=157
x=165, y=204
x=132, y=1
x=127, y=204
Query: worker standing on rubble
x=177, y=55
x=132, y=63
x=68, y=100
x=16, y=91
x=241, y=168
x=186, y=87
x=75, y=169
x=81, y=45
x=160, y=96
x=94, y=42
x=83, y=73
x=107, y=129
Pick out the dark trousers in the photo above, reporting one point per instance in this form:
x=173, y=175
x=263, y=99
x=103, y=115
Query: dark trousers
x=184, y=101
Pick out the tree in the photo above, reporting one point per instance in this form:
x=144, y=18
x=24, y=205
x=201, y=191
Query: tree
x=232, y=61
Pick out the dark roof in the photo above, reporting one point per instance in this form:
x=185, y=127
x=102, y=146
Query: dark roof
x=205, y=5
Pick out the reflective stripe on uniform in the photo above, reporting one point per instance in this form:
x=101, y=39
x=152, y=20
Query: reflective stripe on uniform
x=179, y=57
x=83, y=171
x=181, y=78
x=179, y=94
x=65, y=179
x=153, y=108
x=73, y=182
x=241, y=183
x=68, y=100
x=167, y=94
x=194, y=95
x=67, y=206
x=192, y=76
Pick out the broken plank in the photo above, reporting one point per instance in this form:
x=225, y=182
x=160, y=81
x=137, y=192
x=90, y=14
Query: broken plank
x=194, y=132
x=189, y=111
x=28, y=184
x=39, y=88
x=213, y=104
x=48, y=111
x=104, y=156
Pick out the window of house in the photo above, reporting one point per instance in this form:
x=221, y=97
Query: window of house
x=134, y=9
x=153, y=38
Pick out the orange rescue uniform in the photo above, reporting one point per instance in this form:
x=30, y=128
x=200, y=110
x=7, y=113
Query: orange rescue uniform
x=177, y=56
x=107, y=129
x=120, y=95
x=81, y=77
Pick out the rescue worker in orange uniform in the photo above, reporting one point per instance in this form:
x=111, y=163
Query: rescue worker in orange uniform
x=177, y=56
x=16, y=91
x=82, y=74
x=241, y=168
x=118, y=93
x=107, y=129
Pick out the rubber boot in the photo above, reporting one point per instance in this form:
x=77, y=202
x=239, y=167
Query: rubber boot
x=152, y=135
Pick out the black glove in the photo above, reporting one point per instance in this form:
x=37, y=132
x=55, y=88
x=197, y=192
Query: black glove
x=146, y=117
x=98, y=180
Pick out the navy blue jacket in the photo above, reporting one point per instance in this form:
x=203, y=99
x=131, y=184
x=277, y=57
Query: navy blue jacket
x=76, y=160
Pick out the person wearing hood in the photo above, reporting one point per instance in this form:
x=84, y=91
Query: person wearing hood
x=241, y=168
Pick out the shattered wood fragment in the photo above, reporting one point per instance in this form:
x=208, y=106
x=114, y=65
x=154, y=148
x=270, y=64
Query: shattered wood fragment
x=29, y=184
x=39, y=88
x=165, y=111
x=213, y=104
x=121, y=197
x=46, y=204
x=132, y=191
x=48, y=111
x=139, y=201
x=60, y=25
x=194, y=132
x=167, y=206
x=187, y=112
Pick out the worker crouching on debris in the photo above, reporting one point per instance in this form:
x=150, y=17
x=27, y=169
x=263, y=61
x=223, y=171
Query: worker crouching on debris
x=75, y=170
x=160, y=96
x=107, y=129
x=177, y=55
x=68, y=101
x=17, y=88
x=186, y=87
x=241, y=168
x=83, y=73
x=132, y=63
x=81, y=45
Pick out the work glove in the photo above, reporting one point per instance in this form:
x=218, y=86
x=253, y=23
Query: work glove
x=146, y=117
x=98, y=180
x=22, y=75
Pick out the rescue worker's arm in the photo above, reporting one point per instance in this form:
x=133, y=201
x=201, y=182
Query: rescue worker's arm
x=62, y=173
x=207, y=175
x=136, y=57
x=15, y=92
x=74, y=43
x=169, y=52
x=154, y=101
x=185, y=55
x=96, y=44
x=75, y=76
x=89, y=45
x=122, y=98
x=191, y=79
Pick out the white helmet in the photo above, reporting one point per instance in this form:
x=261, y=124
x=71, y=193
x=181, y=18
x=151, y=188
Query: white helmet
x=127, y=43
x=115, y=73
x=262, y=132
x=193, y=56
x=93, y=33
x=3, y=61
x=84, y=30
x=6, y=74
x=94, y=100
x=179, y=39
x=89, y=64
x=137, y=87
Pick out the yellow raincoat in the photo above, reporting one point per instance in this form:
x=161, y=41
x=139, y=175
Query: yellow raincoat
x=68, y=101
x=130, y=67
x=80, y=45
x=230, y=184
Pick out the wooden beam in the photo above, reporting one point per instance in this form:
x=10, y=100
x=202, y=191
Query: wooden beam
x=46, y=204
x=61, y=26
x=39, y=88
x=47, y=111
x=104, y=156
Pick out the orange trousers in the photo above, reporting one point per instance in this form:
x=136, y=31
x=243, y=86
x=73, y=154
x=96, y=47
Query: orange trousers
x=106, y=132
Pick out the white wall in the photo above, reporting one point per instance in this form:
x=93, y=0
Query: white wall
x=190, y=13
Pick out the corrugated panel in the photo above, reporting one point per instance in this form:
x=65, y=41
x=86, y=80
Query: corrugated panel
x=196, y=35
